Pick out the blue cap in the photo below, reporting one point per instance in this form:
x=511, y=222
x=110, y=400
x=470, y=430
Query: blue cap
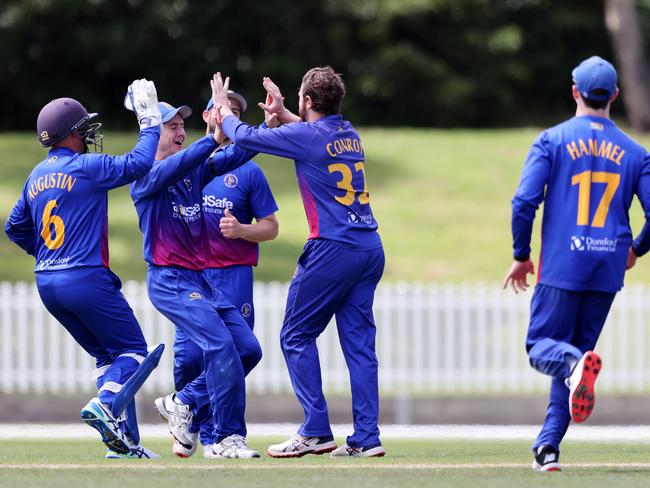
x=595, y=74
x=235, y=96
x=168, y=112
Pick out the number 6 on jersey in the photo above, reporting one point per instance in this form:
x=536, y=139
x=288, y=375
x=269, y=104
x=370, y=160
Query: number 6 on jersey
x=59, y=229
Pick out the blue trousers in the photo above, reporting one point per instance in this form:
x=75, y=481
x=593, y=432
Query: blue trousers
x=236, y=285
x=564, y=324
x=334, y=280
x=89, y=304
x=186, y=299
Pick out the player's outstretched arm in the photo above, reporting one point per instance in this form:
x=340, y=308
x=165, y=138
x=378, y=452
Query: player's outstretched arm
x=516, y=278
x=170, y=170
x=225, y=159
x=108, y=171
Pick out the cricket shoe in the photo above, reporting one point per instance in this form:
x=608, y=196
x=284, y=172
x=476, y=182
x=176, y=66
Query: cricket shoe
x=232, y=447
x=581, y=386
x=208, y=453
x=546, y=458
x=137, y=452
x=178, y=417
x=299, y=445
x=367, y=451
x=97, y=416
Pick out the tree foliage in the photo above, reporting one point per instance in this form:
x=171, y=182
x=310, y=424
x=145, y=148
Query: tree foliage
x=405, y=62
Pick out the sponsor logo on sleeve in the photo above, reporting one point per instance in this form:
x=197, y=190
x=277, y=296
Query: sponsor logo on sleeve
x=195, y=295
x=246, y=310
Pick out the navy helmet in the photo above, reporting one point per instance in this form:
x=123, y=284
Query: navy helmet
x=64, y=116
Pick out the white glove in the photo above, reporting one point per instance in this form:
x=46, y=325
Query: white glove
x=141, y=97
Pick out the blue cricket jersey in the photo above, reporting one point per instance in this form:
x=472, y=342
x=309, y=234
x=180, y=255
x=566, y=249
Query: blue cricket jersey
x=246, y=193
x=330, y=167
x=586, y=172
x=168, y=202
x=61, y=217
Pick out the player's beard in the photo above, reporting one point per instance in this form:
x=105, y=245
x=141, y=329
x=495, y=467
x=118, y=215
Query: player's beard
x=302, y=113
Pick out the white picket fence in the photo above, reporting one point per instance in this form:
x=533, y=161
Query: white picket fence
x=431, y=338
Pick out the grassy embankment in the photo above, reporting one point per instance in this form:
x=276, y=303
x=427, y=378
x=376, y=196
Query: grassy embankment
x=442, y=199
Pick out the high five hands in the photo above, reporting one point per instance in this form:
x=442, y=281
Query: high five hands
x=221, y=103
x=275, y=113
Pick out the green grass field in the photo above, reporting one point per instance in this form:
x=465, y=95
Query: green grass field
x=408, y=464
x=442, y=199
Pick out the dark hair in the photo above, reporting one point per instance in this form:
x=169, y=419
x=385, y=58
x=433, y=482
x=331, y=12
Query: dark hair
x=325, y=88
x=597, y=104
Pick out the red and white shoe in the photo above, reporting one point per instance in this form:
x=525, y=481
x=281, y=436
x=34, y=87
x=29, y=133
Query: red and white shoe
x=581, y=386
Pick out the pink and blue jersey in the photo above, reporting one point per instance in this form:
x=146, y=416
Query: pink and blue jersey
x=586, y=171
x=246, y=193
x=168, y=201
x=330, y=167
x=61, y=217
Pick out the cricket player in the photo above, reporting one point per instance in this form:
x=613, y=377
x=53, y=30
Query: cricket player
x=230, y=203
x=586, y=171
x=342, y=261
x=168, y=202
x=61, y=219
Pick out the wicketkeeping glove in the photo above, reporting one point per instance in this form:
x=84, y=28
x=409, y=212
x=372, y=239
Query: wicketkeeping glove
x=141, y=97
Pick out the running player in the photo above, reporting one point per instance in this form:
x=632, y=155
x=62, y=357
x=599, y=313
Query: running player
x=61, y=219
x=342, y=261
x=586, y=172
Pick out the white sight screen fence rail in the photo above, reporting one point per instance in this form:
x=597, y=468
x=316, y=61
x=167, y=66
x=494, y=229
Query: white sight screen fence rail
x=431, y=339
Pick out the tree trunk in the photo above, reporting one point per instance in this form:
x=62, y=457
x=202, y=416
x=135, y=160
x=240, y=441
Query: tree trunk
x=624, y=31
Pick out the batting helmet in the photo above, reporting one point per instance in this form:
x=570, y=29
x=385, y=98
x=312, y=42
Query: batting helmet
x=64, y=116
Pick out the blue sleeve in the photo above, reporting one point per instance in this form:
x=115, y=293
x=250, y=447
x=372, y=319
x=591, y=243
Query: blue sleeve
x=109, y=172
x=20, y=227
x=223, y=160
x=260, y=197
x=287, y=141
x=641, y=244
x=529, y=195
x=173, y=168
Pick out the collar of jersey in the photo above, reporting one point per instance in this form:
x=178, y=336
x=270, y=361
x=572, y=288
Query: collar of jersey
x=60, y=150
x=593, y=118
